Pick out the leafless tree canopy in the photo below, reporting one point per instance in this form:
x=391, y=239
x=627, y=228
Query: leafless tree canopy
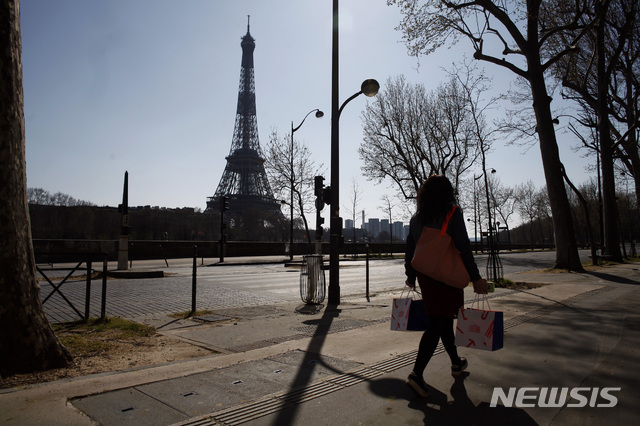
x=290, y=166
x=512, y=35
x=410, y=134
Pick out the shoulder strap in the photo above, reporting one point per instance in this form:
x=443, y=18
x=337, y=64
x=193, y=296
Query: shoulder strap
x=443, y=230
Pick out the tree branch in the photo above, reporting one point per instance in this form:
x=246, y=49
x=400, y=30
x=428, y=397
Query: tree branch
x=502, y=62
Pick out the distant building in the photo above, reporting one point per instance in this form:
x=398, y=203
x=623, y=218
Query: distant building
x=398, y=231
x=373, y=227
x=384, y=226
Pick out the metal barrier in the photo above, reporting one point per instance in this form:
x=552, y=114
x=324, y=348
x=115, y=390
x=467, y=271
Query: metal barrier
x=312, y=282
x=87, y=259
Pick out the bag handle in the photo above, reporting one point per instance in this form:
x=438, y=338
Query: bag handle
x=443, y=230
x=409, y=290
x=481, y=299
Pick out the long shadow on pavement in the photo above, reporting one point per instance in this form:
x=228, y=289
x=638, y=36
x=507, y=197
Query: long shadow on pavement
x=438, y=410
x=303, y=377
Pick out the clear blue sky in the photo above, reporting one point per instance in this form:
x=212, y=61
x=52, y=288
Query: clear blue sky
x=151, y=86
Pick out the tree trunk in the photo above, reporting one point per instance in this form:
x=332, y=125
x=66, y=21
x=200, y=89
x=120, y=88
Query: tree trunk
x=27, y=342
x=566, y=246
x=611, y=229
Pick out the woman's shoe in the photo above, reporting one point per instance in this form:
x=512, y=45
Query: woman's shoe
x=458, y=368
x=417, y=385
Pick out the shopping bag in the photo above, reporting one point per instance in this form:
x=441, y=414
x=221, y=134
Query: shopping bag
x=400, y=314
x=437, y=257
x=480, y=329
x=417, y=316
x=408, y=314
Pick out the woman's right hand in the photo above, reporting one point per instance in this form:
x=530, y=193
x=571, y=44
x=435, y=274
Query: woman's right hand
x=480, y=286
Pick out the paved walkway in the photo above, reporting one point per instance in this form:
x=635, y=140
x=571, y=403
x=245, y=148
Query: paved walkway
x=342, y=365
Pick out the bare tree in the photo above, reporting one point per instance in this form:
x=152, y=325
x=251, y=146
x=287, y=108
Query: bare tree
x=504, y=200
x=354, y=198
x=526, y=194
x=45, y=198
x=499, y=30
x=27, y=342
x=289, y=166
x=410, y=134
x=602, y=78
x=387, y=207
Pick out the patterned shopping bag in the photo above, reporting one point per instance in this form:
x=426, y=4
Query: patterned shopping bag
x=400, y=314
x=480, y=329
x=408, y=314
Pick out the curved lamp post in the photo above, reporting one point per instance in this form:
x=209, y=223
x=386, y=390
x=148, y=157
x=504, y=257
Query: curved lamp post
x=319, y=114
x=369, y=88
x=494, y=266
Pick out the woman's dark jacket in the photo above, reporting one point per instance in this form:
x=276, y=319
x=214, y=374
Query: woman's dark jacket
x=440, y=299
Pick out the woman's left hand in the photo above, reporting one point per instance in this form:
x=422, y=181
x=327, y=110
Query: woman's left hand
x=480, y=286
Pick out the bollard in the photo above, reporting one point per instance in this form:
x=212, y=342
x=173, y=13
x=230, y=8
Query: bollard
x=103, y=307
x=193, y=281
x=367, y=268
x=87, y=301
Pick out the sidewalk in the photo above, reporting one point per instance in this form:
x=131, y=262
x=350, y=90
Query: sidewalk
x=342, y=365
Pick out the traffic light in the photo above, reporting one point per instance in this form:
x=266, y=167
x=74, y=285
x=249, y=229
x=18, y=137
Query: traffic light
x=319, y=229
x=318, y=186
x=224, y=204
x=326, y=195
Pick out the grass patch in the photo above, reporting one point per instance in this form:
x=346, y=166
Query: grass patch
x=122, y=327
x=188, y=314
x=92, y=337
x=79, y=345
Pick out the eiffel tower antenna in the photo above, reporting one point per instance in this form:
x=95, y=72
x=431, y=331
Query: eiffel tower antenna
x=244, y=181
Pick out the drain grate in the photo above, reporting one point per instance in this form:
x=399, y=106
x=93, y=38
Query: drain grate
x=210, y=318
x=266, y=343
x=334, y=327
x=274, y=403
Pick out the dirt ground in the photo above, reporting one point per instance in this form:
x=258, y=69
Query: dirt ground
x=119, y=354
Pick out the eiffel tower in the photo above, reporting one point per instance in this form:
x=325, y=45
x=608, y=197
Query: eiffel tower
x=244, y=181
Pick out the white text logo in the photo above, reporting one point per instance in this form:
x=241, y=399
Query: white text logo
x=555, y=397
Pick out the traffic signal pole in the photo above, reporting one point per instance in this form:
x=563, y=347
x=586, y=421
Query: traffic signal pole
x=224, y=206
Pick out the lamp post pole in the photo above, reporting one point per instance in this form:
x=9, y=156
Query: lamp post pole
x=334, y=211
x=369, y=88
x=293, y=130
x=493, y=254
x=476, y=208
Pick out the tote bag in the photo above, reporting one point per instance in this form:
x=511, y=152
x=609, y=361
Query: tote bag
x=437, y=257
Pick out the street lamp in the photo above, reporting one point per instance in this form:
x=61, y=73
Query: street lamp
x=494, y=266
x=476, y=208
x=369, y=88
x=319, y=114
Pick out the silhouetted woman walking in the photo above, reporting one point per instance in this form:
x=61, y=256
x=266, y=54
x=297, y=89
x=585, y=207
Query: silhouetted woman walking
x=435, y=199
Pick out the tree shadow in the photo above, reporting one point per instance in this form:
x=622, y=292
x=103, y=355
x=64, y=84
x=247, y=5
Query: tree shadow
x=613, y=278
x=438, y=410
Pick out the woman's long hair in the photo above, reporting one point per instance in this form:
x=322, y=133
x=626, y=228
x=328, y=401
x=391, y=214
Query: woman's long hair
x=435, y=198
